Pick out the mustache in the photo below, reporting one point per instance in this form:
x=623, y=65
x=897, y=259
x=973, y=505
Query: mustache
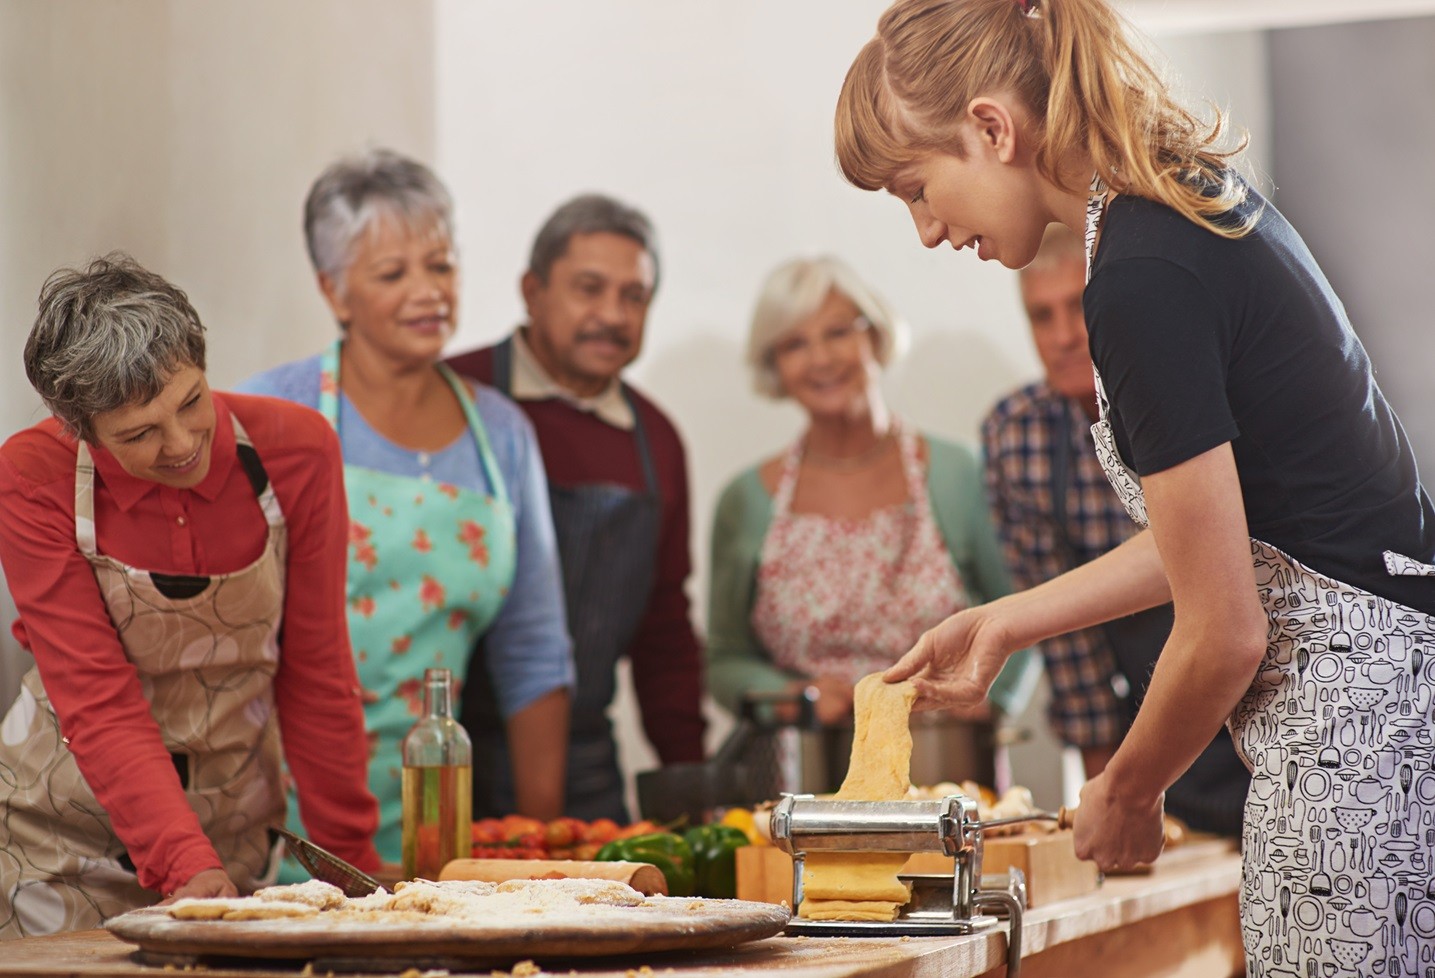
x=605, y=334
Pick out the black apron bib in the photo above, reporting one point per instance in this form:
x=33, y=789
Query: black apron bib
x=607, y=545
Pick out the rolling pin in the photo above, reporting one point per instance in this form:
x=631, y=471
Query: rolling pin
x=646, y=878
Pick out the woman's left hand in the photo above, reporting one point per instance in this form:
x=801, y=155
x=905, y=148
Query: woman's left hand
x=205, y=883
x=1114, y=833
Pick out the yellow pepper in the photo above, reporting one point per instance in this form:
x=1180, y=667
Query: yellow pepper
x=742, y=820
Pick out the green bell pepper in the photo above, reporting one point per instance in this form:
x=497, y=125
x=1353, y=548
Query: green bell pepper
x=665, y=850
x=714, y=859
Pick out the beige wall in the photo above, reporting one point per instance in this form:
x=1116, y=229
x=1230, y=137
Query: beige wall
x=187, y=134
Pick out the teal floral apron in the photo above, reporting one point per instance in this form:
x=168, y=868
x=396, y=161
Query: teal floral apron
x=430, y=565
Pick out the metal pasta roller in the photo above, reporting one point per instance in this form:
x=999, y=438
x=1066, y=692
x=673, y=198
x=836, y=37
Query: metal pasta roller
x=963, y=903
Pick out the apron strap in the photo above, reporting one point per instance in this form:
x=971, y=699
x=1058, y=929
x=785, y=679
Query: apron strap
x=329, y=382
x=503, y=365
x=258, y=475
x=85, y=501
x=85, y=535
x=503, y=380
x=480, y=434
x=640, y=434
x=329, y=407
x=787, y=481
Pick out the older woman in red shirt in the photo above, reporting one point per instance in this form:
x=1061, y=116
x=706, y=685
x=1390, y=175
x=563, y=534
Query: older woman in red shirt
x=177, y=560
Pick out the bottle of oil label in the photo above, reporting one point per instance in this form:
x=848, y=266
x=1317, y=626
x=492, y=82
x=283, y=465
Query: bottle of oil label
x=437, y=783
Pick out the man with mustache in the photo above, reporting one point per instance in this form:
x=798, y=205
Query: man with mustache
x=1054, y=510
x=618, y=486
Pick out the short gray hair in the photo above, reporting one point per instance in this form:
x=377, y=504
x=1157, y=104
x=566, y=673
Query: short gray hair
x=794, y=291
x=590, y=214
x=357, y=190
x=108, y=336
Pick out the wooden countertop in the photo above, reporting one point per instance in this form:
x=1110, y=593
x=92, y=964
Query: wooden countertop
x=1179, y=920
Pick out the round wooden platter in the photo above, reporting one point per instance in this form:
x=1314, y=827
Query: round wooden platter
x=659, y=924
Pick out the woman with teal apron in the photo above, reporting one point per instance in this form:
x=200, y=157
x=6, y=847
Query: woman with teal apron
x=429, y=567
x=450, y=535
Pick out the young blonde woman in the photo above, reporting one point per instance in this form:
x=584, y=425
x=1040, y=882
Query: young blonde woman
x=1241, y=424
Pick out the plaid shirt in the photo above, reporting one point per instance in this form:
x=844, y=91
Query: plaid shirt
x=1019, y=437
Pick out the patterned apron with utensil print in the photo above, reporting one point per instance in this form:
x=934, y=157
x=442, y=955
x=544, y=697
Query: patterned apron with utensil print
x=429, y=567
x=1339, y=837
x=206, y=650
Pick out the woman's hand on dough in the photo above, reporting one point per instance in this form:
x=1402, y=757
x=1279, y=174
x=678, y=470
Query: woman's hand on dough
x=205, y=883
x=954, y=664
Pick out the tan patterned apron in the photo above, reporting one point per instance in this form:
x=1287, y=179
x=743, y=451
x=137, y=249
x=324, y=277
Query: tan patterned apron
x=206, y=650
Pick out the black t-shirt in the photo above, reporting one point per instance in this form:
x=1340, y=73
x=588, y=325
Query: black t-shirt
x=1202, y=340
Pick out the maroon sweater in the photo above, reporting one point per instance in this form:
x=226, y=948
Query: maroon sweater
x=579, y=449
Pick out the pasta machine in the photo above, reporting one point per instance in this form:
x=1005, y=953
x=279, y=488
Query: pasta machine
x=964, y=903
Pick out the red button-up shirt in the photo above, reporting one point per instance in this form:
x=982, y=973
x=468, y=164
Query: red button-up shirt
x=215, y=528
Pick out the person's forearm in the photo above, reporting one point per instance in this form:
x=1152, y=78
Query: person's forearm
x=1120, y=582
x=1095, y=759
x=1198, y=681
x=1219, y=637
x=538, y=754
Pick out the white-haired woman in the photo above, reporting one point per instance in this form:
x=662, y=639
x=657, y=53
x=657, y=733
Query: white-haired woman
x=451, y=537
x=829, y=560
x=155, y=537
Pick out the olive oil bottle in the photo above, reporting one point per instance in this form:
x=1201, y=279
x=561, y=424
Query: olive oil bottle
x=437, y=784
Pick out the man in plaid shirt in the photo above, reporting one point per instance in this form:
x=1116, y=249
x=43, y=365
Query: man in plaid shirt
x=1054, y=510
x=1020, y=437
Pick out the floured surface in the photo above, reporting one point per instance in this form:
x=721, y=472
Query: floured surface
x=864, y=885
x=465, y=920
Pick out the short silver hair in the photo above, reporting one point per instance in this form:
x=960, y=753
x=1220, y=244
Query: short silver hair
x=358, y=190
x=590, y=214
x=108, y=336
x=794, y=291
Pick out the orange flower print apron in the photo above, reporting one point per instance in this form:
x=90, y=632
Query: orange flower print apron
x=429, y=567
x=206, y=650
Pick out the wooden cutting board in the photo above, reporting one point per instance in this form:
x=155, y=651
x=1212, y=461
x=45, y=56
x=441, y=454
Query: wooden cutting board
x=1046, y=859
x=659, y=924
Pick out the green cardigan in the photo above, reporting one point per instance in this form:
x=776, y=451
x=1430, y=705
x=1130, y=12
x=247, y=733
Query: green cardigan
x=736, y=660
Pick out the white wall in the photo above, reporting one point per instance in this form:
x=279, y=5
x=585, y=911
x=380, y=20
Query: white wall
x=1354, y=178
x=187, y=134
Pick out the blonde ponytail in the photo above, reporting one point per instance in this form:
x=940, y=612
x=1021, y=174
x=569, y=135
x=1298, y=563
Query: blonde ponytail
x=1072, y=63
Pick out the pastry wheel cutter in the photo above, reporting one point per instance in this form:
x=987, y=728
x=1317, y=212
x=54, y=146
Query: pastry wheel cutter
x=324, y=865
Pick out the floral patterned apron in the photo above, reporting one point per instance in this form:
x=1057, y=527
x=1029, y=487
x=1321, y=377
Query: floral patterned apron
x=848, y=597
x=429, y=567
x=1339, y=837
x=206, y=650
